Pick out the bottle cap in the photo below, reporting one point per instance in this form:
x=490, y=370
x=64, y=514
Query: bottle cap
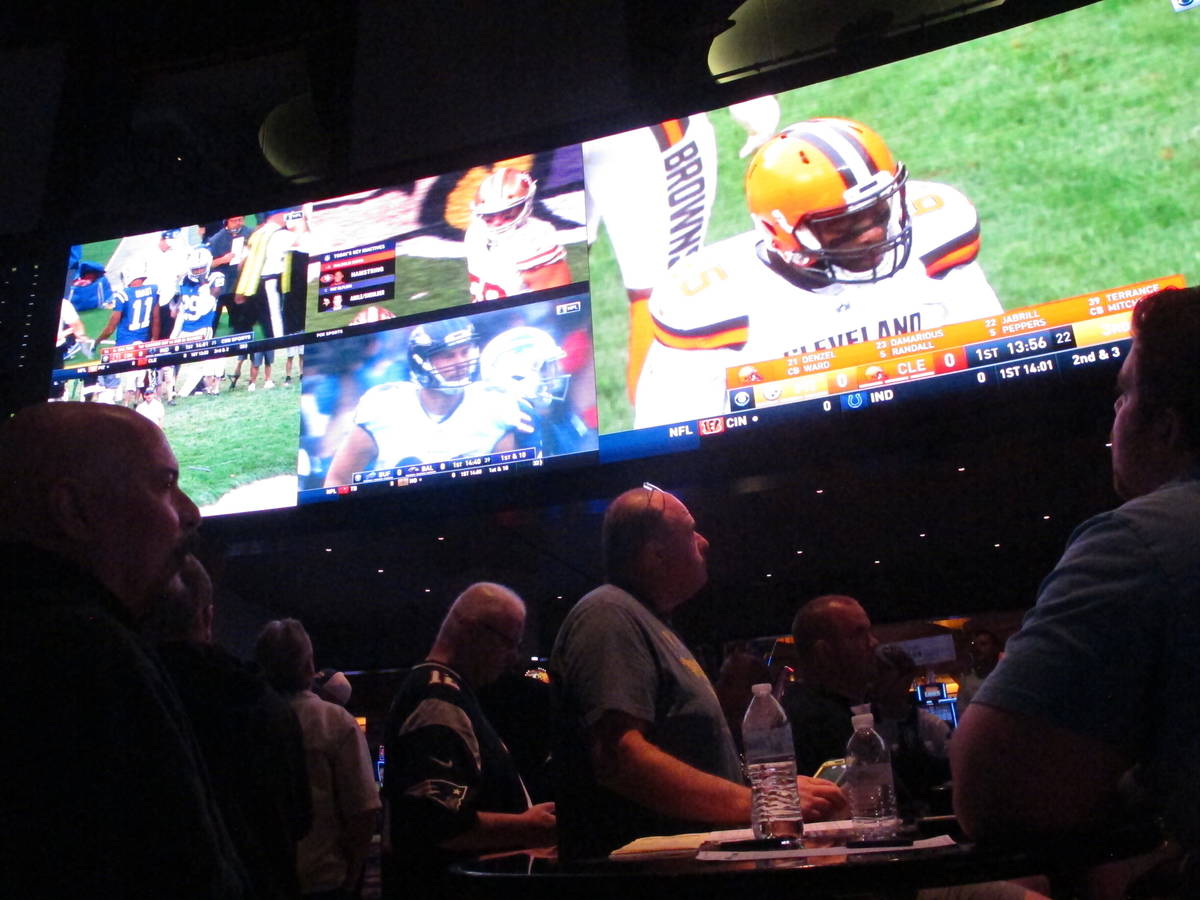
x=759, y=689
x=862, y=720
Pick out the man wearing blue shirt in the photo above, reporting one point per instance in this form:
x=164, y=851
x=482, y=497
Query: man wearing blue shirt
x=1098, y=689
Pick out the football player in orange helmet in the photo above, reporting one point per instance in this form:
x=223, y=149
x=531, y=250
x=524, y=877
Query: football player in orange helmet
x=846, y=249
x=509, y=251
x=830, y=199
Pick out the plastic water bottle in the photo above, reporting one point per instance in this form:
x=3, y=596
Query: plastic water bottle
x=869, y=783
x=771, y=768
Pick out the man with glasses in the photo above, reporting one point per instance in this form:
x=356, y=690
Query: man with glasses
x=452, y=790
x=645, y=748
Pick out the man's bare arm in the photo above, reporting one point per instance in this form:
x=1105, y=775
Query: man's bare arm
x=627, y=763
x=535, y=827
x=1015, y=773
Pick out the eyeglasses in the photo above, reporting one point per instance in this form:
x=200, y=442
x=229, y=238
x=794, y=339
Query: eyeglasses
x=509, y=641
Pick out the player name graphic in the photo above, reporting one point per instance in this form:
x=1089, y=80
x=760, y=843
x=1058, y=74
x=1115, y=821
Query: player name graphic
x=1074, y=323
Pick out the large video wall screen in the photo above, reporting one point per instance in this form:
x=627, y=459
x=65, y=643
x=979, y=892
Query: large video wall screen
x=955, y=222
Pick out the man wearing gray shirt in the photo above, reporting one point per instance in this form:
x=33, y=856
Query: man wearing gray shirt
x=644, y=747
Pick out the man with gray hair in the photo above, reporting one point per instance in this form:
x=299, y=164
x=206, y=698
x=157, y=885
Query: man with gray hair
x=105, y=789
x=345, y=801
x=452, y=789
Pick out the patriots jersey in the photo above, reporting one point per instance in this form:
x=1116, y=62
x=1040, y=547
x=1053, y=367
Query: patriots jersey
x=135, y=305
x=198, y=303
x=733, y=304
x=497, y=263
x=405, y=434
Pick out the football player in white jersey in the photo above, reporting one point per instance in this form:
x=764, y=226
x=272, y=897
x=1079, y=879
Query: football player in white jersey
x=442, y=413
x=508, y=251
x=847, y=249
x=654, y=189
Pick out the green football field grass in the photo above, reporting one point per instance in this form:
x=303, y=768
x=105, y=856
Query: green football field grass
x=1082, y=162
x=235, y=438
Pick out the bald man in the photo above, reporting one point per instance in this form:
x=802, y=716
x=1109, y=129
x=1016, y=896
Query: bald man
x=645, y=748
x=452, y=789
x=103, y=779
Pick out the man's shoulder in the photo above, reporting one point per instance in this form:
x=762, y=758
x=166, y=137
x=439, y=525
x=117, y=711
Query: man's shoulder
x=945, y=226
x=703, y=298
x=607, y=601
x=384, y=396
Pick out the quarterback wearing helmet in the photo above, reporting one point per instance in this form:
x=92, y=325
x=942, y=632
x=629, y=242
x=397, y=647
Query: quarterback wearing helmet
x=442, y=412
x=508, y=250
x=846, y=248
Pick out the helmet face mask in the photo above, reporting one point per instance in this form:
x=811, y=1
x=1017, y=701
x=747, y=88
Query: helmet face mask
x=444, y=356
x=526, y=361
x=504, y=200
x=199, y=263
x=830, y=199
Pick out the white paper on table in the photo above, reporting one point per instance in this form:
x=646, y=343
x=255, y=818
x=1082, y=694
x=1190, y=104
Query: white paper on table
x=713, y=853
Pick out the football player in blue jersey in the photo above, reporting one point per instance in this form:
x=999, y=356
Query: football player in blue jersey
x=199, y=292
x=133, y=318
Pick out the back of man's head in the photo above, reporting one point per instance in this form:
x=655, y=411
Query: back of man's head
x=816, y=621
x=284, y=652
x=483, y=603
x=1166, y=328
x=630, y=522
x=47, y=442
x=481, y=634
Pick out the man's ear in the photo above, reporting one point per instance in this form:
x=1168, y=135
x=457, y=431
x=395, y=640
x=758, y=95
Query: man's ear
x=1167, y=428
x=70, y=510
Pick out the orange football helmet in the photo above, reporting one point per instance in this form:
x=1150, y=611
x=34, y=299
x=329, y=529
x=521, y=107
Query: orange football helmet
x=504, y=200
x=830, y=199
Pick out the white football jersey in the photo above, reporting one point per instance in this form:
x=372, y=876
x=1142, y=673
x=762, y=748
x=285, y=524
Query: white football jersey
x=726, y=307
x=405, y=434
x=497, y=263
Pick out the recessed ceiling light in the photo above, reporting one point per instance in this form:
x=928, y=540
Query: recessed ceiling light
x=922, y=534
x=380, y=571
x=820, y=490
x=328, y=549
x=1046, y=518
x=962, y=468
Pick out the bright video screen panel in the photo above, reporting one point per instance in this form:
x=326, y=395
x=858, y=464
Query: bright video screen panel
x=957, y=222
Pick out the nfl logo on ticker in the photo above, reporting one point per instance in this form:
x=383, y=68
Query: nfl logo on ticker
x=1184, y=5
